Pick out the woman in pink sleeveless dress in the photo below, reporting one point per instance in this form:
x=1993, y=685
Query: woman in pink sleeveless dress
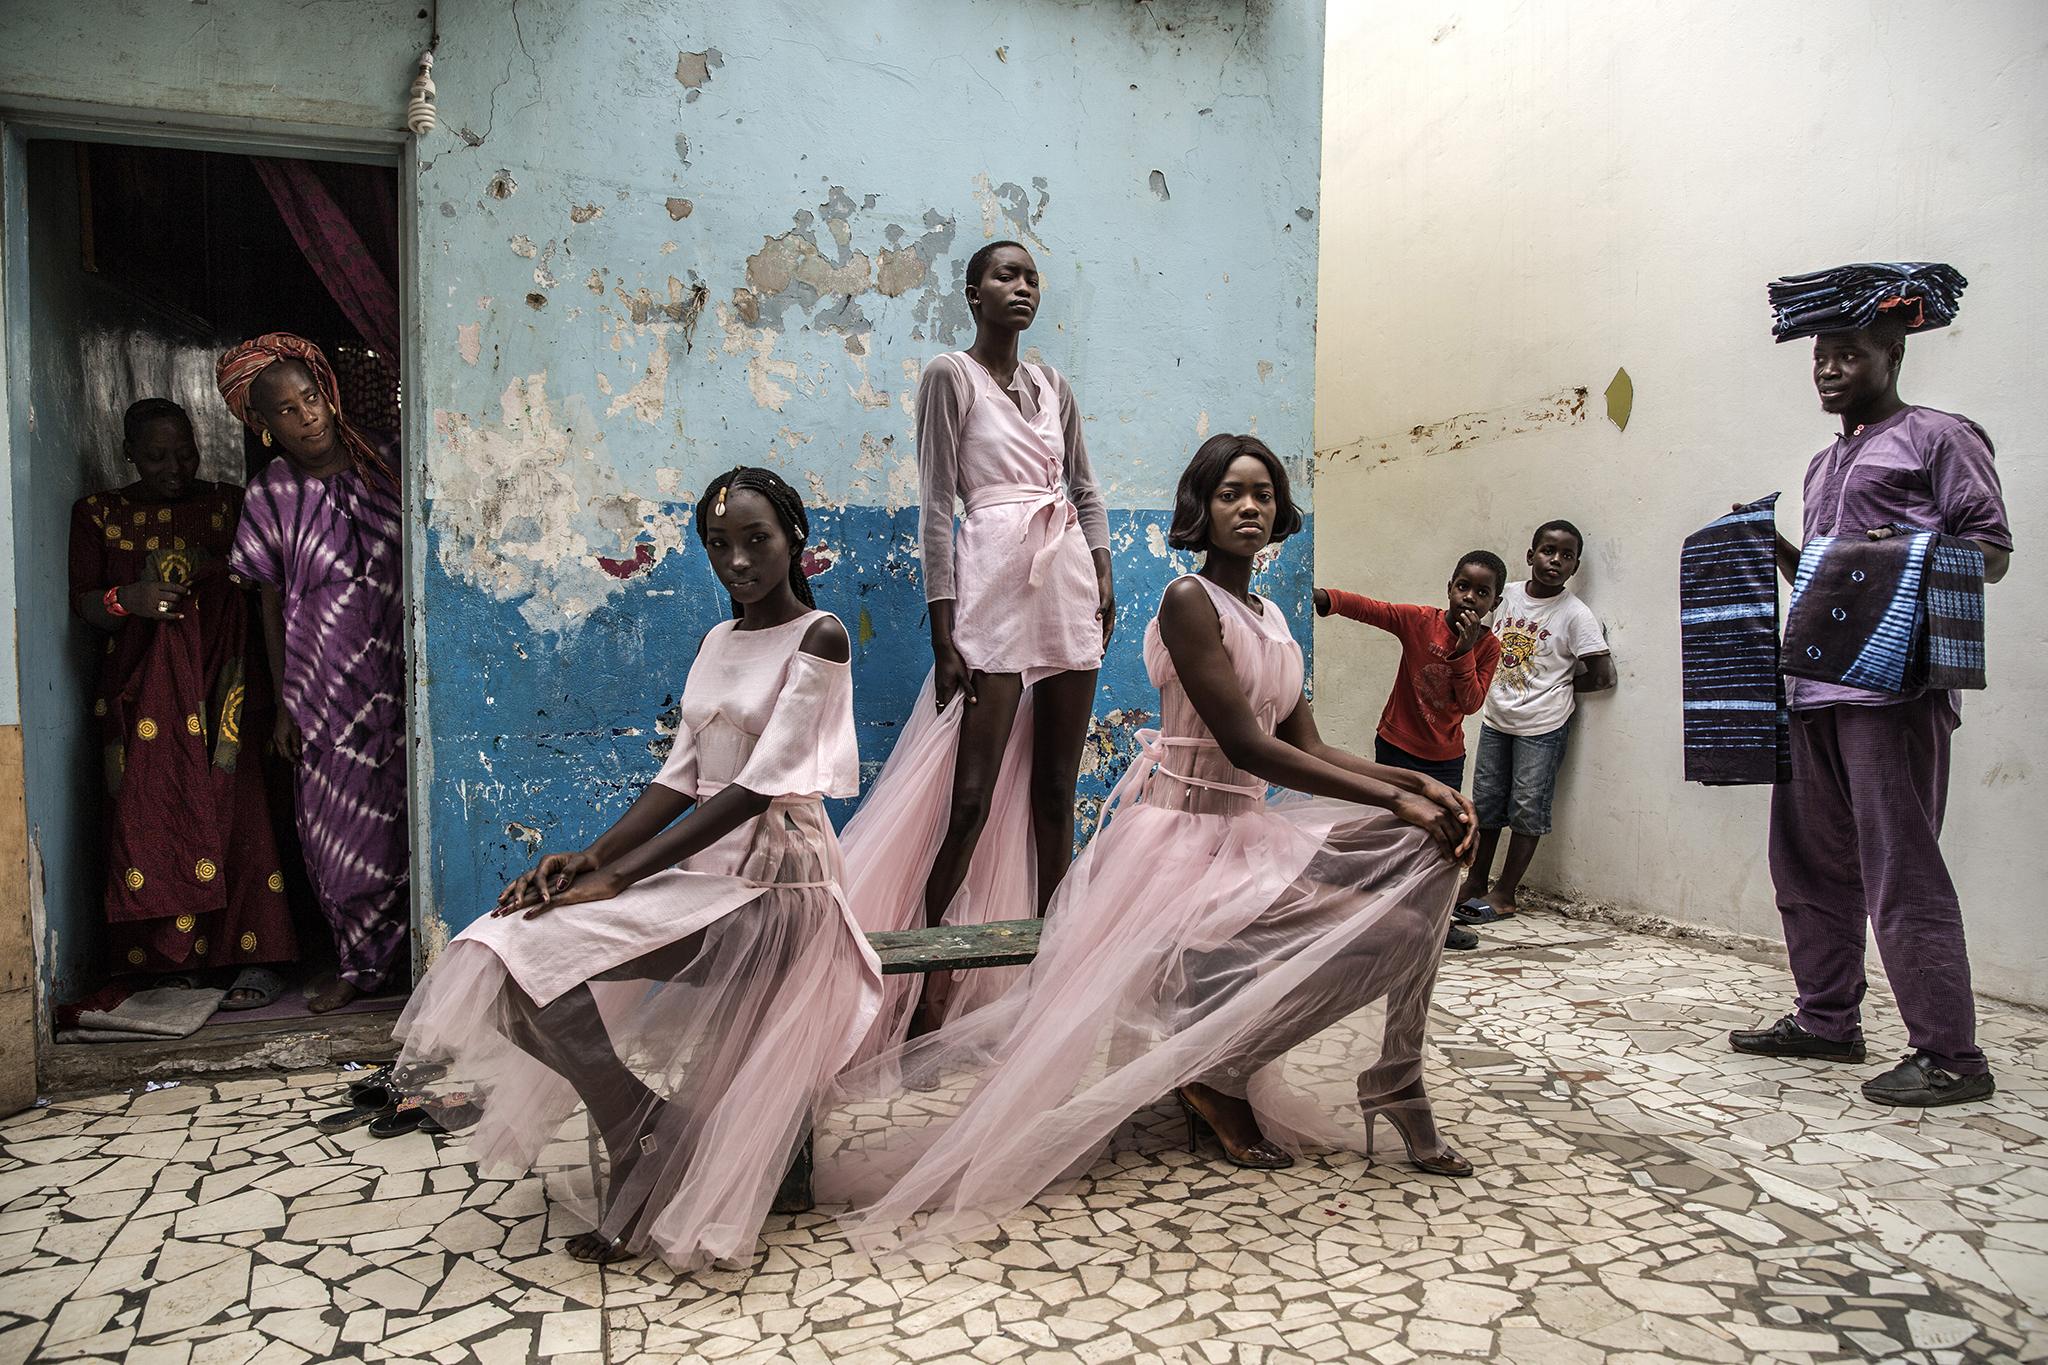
x=693, y=983
x=1201, y=936
x=972, y=818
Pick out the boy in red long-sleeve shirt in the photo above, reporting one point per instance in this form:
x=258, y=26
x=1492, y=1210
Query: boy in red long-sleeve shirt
x=1448, y=657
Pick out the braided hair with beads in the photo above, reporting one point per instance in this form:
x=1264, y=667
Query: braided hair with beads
x=789, y=510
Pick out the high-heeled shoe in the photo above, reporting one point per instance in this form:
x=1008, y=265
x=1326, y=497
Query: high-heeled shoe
x=1447, y=1162
x=1260, y=1156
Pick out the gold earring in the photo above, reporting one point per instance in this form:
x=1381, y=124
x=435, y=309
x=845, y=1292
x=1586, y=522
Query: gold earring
x=266, y=437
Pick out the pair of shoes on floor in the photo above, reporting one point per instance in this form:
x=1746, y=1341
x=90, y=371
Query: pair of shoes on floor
x=379, y=1101
x=1918, y=1081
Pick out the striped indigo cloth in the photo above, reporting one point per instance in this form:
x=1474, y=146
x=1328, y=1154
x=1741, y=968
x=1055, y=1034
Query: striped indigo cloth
x=1892, y=615
x=1736, y=729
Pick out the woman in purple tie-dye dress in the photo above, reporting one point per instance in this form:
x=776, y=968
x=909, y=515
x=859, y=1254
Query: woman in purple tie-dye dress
x=319, y=533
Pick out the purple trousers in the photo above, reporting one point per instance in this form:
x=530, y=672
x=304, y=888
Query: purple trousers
x=1856, y=838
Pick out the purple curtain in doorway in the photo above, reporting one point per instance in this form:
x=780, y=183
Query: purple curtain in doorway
x=340, y=243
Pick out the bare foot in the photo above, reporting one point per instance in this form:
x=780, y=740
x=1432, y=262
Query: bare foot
x=332, y=996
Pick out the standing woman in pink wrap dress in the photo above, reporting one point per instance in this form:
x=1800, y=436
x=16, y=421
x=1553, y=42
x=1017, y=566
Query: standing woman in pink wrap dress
x=693, y=979
x=1203, y=935
x=972, y=818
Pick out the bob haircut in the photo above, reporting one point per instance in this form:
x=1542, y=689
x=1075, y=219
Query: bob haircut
x=1199, y=481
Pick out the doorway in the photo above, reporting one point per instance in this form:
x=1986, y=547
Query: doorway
x=138, y=266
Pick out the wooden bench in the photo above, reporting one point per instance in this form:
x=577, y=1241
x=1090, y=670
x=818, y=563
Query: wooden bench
x=957, y=948
x=914, y=952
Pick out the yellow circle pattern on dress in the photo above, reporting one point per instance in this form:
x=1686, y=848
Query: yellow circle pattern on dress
x=248, y=943
x=127, y=544
x=192, y=726
x=185, y=923
x=205, y=870
x=146, y=728
x=276, y=882
x=150, y=544
x=164, y=514
x=99, y=707
x=199, y=946
x=136, y=956
x=141, y=517
x=134, y=878
x=113, y=533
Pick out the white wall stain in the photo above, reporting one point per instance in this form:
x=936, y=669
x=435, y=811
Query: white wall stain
x=469, y=341
x=767, y=376
x=647, y=398
x=867, y=395
x=523, y=508
x=1566, y=407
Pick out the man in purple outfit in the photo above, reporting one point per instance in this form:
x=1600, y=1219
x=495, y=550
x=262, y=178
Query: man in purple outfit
x=1855, y=835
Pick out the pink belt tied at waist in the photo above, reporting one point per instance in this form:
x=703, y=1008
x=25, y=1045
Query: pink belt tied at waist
x=1051, y=513
x=1154, y=750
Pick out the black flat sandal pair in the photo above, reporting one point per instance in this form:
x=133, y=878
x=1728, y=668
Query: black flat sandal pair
x=377, y=1100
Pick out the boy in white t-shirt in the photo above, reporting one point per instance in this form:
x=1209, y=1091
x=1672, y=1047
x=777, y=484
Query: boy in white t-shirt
x=1551, y=649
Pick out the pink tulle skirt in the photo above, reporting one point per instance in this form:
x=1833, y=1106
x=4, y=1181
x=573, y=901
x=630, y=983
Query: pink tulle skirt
x=892, y=840
x=1203, y=936
x=657, y=1056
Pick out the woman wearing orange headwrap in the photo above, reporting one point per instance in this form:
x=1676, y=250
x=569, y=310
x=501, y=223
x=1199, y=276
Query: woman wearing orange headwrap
x=320, y=534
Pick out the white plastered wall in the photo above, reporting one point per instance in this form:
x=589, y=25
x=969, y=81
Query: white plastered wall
x=1520, y=199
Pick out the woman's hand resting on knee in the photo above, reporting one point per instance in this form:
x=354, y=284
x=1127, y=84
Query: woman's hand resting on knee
x=1446, y=816
x=546, y=881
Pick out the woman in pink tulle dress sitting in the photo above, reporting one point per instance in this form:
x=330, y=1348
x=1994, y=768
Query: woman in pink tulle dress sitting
x=1203, y=934
x=695, y=982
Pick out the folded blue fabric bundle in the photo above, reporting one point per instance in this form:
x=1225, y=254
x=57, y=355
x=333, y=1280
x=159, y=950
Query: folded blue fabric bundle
x=1736, y=728
x=1923, y=295
x=1891, y=615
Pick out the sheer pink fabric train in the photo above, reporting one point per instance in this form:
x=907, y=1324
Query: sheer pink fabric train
x=1204, y=935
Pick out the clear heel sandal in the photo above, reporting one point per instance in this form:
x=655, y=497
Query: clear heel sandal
x=1447, y=1162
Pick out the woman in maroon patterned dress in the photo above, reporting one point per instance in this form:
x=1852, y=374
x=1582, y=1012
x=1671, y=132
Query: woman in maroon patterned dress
x=192, y=873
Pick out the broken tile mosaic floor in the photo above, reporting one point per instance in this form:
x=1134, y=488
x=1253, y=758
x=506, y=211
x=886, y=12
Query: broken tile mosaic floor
x=1645, y=1195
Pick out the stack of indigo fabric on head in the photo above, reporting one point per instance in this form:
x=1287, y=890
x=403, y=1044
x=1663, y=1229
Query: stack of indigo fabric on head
x=1736, y=727
x=1922, y=295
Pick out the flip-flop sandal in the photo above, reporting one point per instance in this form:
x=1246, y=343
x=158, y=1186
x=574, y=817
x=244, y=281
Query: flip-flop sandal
x=374, y=1091
x=412, y=1115
x=1477, y=911
x=266, y=984
x=344, y=1120
x=409, y=1115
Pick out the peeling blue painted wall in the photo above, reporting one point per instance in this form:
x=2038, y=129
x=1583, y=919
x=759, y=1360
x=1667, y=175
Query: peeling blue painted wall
x=658, y=239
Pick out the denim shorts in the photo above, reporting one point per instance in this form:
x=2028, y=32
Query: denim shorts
x=1515, y=777
x=1449, y=771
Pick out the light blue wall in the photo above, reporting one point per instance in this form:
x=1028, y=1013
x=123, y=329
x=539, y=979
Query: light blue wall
x=656, y=240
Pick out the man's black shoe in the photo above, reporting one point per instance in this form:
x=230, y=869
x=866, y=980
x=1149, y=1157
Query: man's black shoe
x=1461, y=938
x=1786, y=1039
x=1918, y=1080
